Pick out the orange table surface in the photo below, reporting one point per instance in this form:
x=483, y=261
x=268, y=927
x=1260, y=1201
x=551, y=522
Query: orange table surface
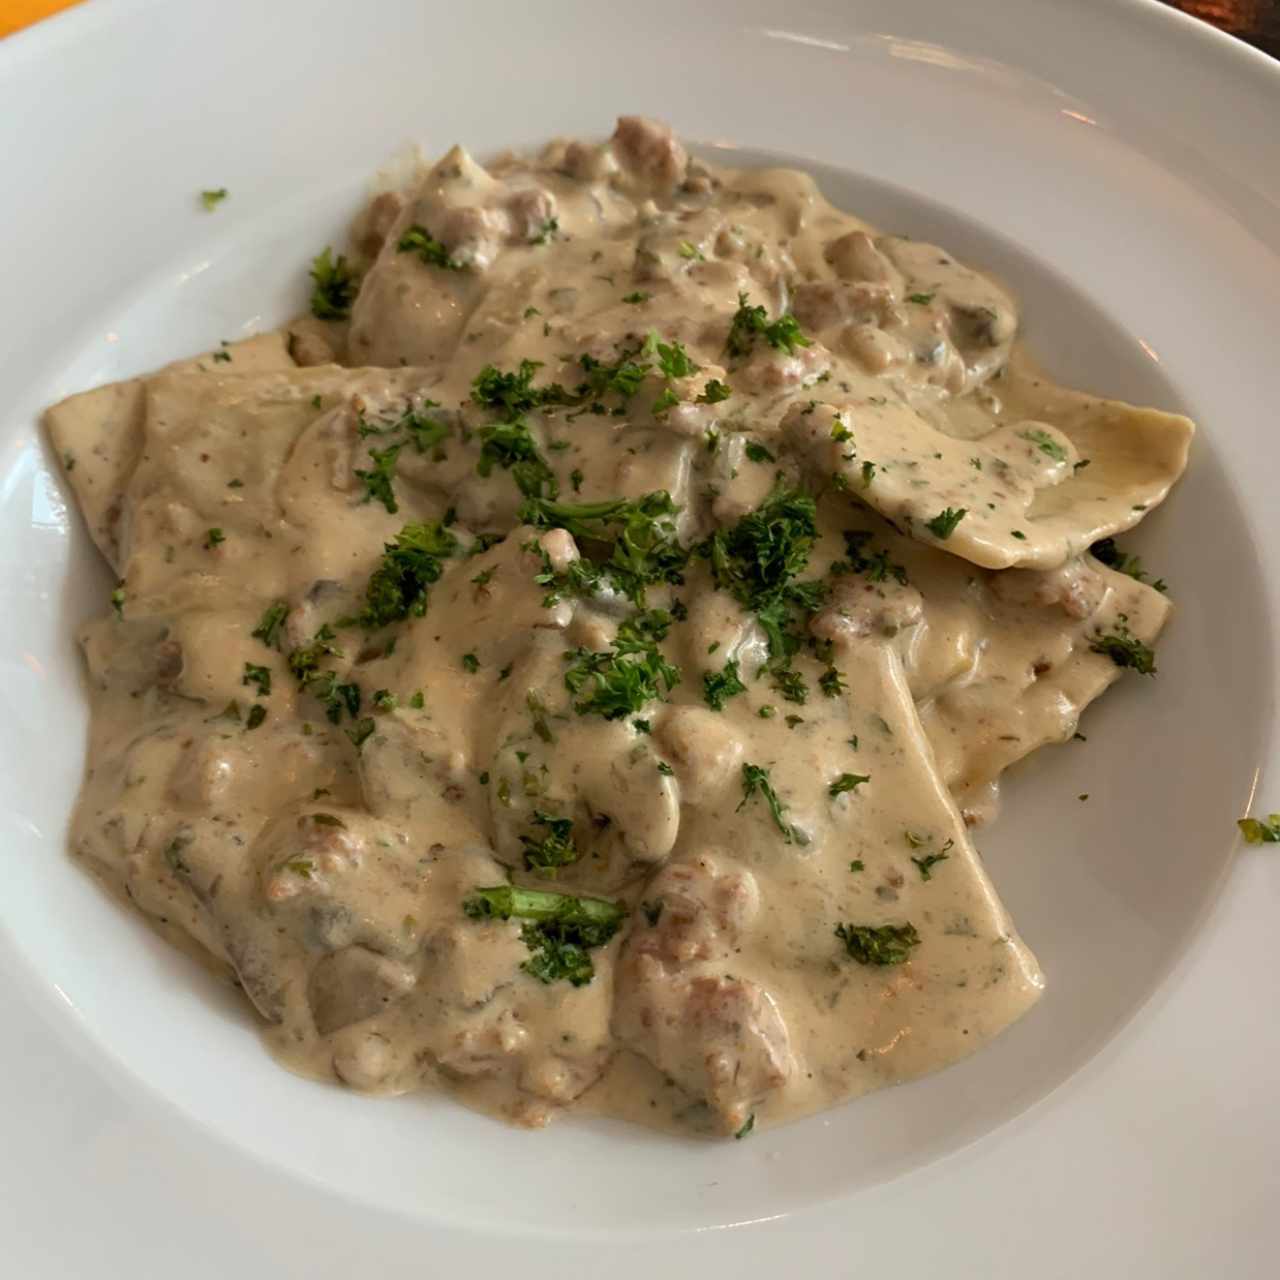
x=16, y=14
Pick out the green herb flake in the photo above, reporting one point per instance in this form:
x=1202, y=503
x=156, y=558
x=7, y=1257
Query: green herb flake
x=847, y=782
x=257, y=714
x=1125, y=649
x=270, y=624
x=719, y=686
x=943, y=525
x=417, y=239
x=1045, y=443
x=215, y=537
x=1260, y=831
x=259, y=677
x=559, y=930
x=333, y=286
x=926, y=864
x=755, y=780
x=470, y=663
x=211, y=199
x=920, y=299
x=885, y=944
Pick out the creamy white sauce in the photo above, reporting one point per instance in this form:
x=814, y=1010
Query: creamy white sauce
x=323, y=851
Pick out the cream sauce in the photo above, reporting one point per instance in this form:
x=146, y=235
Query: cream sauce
x=315, y=794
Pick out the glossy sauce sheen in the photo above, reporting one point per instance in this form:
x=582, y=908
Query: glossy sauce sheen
x=326, y=864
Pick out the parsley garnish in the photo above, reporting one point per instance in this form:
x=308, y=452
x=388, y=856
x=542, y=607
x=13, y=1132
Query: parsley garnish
x=847, y=782
x=1045, y=443
x=756, y=779
x=750, y=322
x=943, y=525
x=212, y=199
x=377, y=480
x=555, y=849
x=1125, y=649
x=513, y=394
x=878, y=944
x=559, y=930
x=333, y=286
x=1111, y=555
x=831, y=682
x=417, y=239
x=213, y=538
x=924, y=865
x=920, y=299
x=620, y=682
x=258, y=676
x=360, y=732
x=714, y=392
x=637, y=298
x=1257, y=831
x=470, y=663
x=257, y=714
x=635, y=541
x=268, y=628
x=719, y=686
x=756, y=452
x=398, y=586
x=746, y=1128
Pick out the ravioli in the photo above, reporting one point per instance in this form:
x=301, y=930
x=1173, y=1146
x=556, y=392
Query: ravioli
x=583, y=694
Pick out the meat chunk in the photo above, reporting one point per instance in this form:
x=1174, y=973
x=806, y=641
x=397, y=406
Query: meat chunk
x=1075, y=587
x=649, y=154
x=695, y=910
x=856, y=608
x=720, y=1038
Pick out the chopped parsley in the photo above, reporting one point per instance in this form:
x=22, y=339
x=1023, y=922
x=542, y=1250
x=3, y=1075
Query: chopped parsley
x=751, y=322
x=257, y=714
x=875, y=565
x=755, y=780
x=920, y=299
x=633, y=542
x=212, y=199
x=554, y=849
x=673, y=360
x=1258, y=831
x=513, y=394
x=943, y=525
x=756, y=452
x=1125, y=649
x=1045, y=443
x=719, y=686
x=746, y=1128
x=878, y=944
x=847, y=782
x=714, y=392
x=618, y=683
x=930, y=860
x=398, y=587
x=213, y=538
x=268, y=628
x=377, y=479
x=258, y=676
x=417, y=239
x=637, y=298
x=1111, y=555
x=559, y=930
x=758, y=560
x=117, y=601
x=470, y=663
x=384, y=700
x=333, y=286
x=511, y=446
x=831, y=682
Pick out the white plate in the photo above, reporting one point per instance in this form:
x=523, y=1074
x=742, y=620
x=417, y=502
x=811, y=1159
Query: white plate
x=1117, y=164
